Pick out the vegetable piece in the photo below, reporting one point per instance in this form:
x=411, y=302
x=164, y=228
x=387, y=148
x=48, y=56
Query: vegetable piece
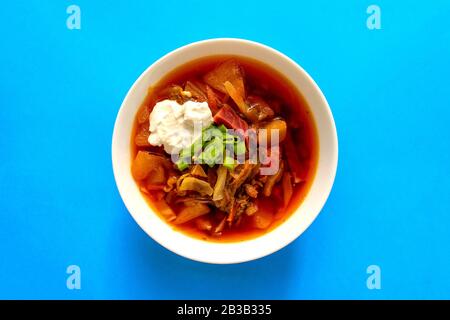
x=219, y=187
x=228, y=162
x=251, y=209
x=141, y=138
x=145, y=162
x=272, y=180
x=182, y=165
x=230, y=71
x=171, y=183
x=262, y=219
x=213, y=152
x=220, y=227
x=238, y=176
x=194, y=184
x=255, y=108
x=251, y=190
x=213, y=100
x=258, y=109
x=295, y=166
x=186, y=154
x=236, y=96
x=197, y=90
x=164, y=209
x=143, y=115
x=198, y=171
x=210, y=148
x=203, y=223
x=184, y=159
x=174, y=92
x=287, y=188
x=241, y=174
x=191, y=212
x=156, y=176
x=239, y=146
x=276, y=124
x=213, y=131
x=228, y=117
x=232, y=213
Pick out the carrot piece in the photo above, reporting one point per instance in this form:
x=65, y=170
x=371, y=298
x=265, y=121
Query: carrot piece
x=287, y=188
x=220, y=227
x=236, y=96
x=232, y=213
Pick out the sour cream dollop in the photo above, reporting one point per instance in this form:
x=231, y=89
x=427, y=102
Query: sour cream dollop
x=177, y=126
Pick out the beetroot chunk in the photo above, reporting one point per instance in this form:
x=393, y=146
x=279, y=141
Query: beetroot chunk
x=230, y=119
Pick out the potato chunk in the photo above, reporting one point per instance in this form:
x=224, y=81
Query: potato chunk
x=145, y=163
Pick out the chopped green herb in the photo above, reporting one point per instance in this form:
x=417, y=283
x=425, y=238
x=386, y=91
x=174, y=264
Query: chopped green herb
x=211, y=148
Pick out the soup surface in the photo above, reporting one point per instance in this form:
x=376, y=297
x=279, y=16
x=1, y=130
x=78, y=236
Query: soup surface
x=199, y=188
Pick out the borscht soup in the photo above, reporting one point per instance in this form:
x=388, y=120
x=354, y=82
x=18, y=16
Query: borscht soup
x=224, y=148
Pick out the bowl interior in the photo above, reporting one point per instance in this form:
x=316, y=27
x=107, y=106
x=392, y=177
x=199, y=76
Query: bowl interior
x=234, y=252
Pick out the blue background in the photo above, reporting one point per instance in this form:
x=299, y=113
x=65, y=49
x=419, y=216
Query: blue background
x=60, y=91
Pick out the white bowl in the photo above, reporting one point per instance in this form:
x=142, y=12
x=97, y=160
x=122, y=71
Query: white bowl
x=234, y=252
